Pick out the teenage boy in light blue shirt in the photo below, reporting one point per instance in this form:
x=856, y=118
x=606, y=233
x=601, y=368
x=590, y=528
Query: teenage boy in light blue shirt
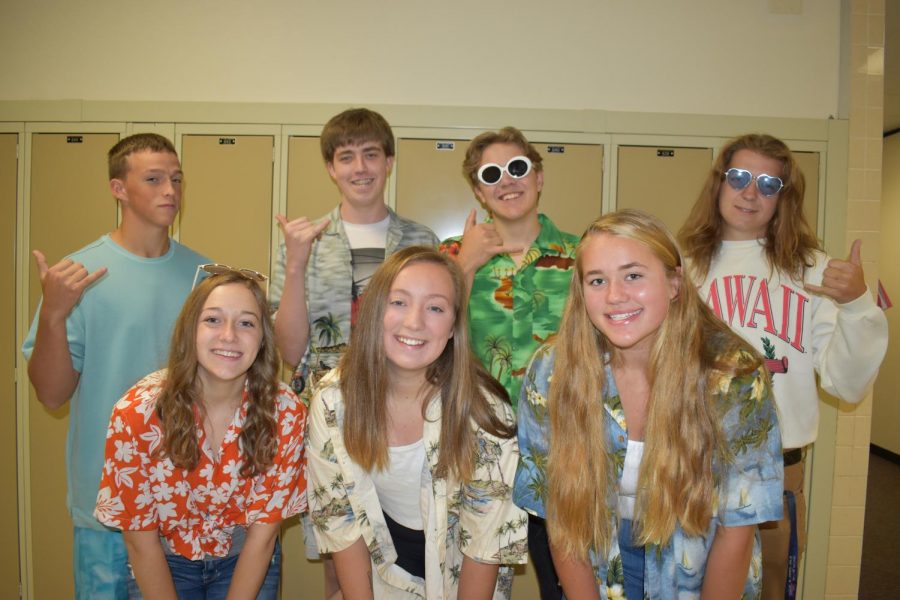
x=103, y=323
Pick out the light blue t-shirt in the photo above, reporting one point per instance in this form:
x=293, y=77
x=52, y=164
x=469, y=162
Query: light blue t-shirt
x=118, y=332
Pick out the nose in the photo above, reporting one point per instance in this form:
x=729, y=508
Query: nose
x=413, y=318
x=616, y=292
x=228, y=331
x=751, y=191
x=169, y=187
x=359, y=163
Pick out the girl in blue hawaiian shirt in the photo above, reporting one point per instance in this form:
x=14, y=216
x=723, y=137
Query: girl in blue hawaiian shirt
x=649, y=440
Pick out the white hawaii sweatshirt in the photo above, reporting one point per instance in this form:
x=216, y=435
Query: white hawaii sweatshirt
x=798, y=333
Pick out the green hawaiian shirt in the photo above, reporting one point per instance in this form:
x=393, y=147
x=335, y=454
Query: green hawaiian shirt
x=512, y=311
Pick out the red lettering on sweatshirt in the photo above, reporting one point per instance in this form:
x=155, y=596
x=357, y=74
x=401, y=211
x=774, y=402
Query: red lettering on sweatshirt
x=737, y=310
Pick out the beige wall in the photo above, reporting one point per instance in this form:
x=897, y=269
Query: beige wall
x=886, y=402
x=636, y=56
x=597, y=55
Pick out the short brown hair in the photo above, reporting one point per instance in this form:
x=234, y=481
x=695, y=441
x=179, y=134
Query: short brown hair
x=507, y=135
x=355, y=126
x=118, y=154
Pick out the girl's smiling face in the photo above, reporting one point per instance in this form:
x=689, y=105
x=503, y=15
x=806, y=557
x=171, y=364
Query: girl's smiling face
x=229, y=334
x=626, y=289
x=419, y=317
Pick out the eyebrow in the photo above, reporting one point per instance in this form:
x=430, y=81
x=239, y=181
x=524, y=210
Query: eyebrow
x=624, y=267
x=220, y=309
x=427, y=297
x=162, y=171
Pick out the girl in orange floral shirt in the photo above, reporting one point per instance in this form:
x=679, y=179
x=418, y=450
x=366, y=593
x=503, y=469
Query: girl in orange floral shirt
x=204, y=459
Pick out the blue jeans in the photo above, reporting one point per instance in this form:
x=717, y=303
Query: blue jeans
x=632, y=561
x=100, y=565
x=209, y=579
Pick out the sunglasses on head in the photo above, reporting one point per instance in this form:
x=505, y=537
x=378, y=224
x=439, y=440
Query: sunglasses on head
x=768, y=185
x=517, y=167
x=212, y=269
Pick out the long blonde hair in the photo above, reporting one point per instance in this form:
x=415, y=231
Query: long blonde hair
x=683, y=440
x=463, y=382
x=790, y=241
x=181, y=392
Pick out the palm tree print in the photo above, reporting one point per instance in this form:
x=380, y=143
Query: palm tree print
x=328, y=329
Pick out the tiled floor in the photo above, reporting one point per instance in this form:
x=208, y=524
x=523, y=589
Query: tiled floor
x=880, y=575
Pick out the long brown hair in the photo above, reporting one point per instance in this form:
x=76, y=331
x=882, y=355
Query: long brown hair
x=683, y=440
x=181, y=393
x=462, y=381
x=790, y=241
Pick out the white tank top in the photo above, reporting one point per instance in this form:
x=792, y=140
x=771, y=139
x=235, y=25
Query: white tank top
x=399, y=485
x=629, y=482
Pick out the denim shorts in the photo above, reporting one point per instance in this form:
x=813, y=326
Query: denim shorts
x=210, y=578
x=100, y=565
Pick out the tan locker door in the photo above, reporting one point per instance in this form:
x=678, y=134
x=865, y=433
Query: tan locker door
x=71, y=206
x=573, y=184
x=809, y=164
x=431, y=188
x=227, y=209
x=663, y=181
x=310, y=191
x=9, y=517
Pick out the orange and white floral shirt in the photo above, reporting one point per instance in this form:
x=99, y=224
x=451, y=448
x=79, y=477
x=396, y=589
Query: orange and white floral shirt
x=196, y=511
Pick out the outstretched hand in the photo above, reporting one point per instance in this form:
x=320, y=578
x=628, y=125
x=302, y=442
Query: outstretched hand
x=480, y=243
x=299, y=236
x=63, y=283
x=842, y=280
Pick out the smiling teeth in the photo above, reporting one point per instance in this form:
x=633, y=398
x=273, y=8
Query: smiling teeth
x=410, y=341
x=511, y=196
x=227, y=353
x=623, y=316
x=363, y=181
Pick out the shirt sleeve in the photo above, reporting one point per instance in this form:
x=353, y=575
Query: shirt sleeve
x=849, y=342
x=530, y=487
x=332, y=517
x=125, y=500
x=74, y=336
x=276, y=282
x=753, y=477
x=281, y=493
x=497, y=529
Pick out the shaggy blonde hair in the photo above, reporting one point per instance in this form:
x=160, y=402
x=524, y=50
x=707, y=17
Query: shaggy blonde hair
x=683, y=440
x=181, y=393
x=790, y=241
x=463, y=382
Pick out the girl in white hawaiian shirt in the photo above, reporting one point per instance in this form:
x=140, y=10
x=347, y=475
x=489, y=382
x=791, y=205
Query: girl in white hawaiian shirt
x=649, y=440
x=203, y=459
x=412, y=448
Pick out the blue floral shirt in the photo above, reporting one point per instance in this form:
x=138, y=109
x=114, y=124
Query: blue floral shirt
x=750, y=490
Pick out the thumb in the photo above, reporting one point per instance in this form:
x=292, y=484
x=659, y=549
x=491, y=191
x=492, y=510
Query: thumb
x=854, y=256
x=320, y=227
x=40, y=260
x=470, y=221
x=282, y=221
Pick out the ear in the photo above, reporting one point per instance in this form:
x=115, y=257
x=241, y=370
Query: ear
x=675, y=283
x=329, y=166
x=539, y=178
x=117, y=187
x=390, y=164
